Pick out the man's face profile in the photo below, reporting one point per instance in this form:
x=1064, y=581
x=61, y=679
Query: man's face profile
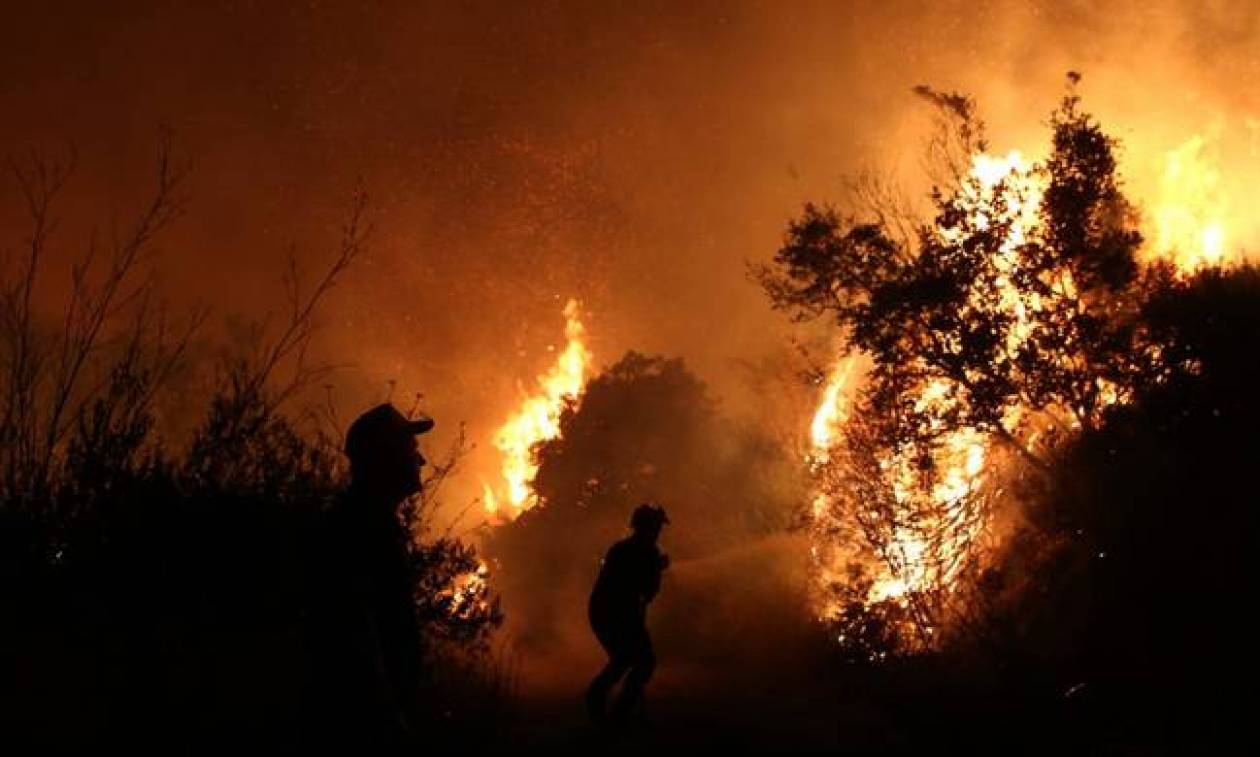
x=402, y=463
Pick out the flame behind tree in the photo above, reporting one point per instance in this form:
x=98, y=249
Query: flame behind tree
x=1189, y=218
x=996, y=330
x=538, y=419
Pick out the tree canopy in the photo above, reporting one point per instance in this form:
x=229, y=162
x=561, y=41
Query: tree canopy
x=1007, y=320
x=1017, y=296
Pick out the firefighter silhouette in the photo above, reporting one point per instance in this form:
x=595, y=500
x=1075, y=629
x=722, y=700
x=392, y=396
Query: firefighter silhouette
x=366, y=638
x=628, y=580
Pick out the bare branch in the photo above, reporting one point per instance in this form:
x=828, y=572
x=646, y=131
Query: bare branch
x=295, y=337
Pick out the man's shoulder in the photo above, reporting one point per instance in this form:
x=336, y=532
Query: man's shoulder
x=620, y=550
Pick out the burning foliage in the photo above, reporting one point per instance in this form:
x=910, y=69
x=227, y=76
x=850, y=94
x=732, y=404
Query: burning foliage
x=1005, y=326
x=538, y=420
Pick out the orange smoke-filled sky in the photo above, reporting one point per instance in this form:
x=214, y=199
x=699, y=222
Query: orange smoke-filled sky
x=633, y=156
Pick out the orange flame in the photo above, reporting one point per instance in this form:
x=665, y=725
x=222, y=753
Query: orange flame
x=825, y=432
x=538, y=419
x=832, y=411
x=1189, y=218
x=911, y=563
x=1189, y=224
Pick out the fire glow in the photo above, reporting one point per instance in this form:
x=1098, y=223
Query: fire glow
x=537, y=419
x=908, y=565
x=937, y=531
x=1189, y=217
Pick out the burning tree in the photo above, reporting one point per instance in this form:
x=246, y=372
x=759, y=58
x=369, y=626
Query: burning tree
x=1003, y=325
x=645, y=429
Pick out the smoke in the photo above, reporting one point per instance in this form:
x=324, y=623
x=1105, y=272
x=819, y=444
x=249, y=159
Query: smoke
x=646, y=430
x=634, y=157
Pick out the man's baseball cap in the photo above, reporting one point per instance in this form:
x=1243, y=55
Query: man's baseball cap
x=382, y=426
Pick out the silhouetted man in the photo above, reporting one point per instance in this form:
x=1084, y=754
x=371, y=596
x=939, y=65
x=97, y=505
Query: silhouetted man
x=628, y=580
x=368, y=638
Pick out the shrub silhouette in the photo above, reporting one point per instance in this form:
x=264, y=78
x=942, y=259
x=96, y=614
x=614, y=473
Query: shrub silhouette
x=155, y=594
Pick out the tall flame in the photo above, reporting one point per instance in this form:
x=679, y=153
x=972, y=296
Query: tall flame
x=832, y=411
x=1188, y=227
x=538, y=419
x=1189, y=218
x=825, y=432
x=911, y=562
x=1189, y=224
x=1190, y=210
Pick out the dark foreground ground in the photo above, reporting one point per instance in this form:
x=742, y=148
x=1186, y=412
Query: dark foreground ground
x=759, y=702
x=801, y=703
x=690, y=710
x=755, y=683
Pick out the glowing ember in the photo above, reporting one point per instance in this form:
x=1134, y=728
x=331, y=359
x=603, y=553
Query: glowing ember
x=470, y=589
x=538, y=419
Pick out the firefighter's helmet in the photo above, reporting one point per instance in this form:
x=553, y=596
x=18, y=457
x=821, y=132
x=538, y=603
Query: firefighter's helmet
x=648, y=515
